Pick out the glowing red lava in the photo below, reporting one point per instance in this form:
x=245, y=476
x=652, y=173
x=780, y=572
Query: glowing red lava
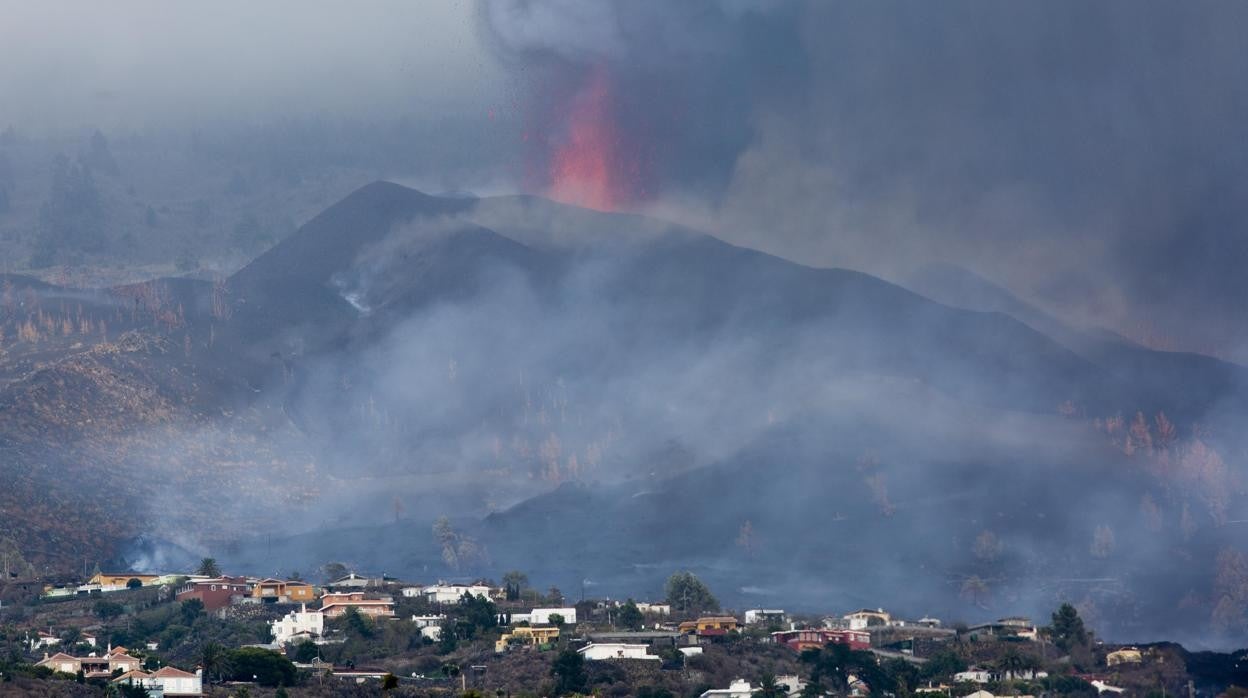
x=591, y=165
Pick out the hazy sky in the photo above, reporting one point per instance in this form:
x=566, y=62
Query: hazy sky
x=148, y=62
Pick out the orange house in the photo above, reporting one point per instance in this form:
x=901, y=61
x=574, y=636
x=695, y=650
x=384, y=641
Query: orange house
x=282, y=591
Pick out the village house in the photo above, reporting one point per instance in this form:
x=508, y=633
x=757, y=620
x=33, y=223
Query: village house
x=737, y=688
x=111, y=581
x=542, y=616
x=430, y=626
x=758, y=616
x=975, y=675
x=447, y=593
x=1017, y=626
x=632, y=637
x=709, y=626
x=616, y=650
x=740, y=688
x=336, y=604
x=867, y=618
x=282, y=591
x=815, y=638
x=216, y=593
x=658, y=609
x=527, y=635
x=1124, y=655
x=982, y=675
x=168, y=681
x=92, y=666
x=355, y=581
x=42, y=640
x=296, y=623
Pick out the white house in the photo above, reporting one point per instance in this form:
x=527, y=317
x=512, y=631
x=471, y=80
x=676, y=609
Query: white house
x=615, y=650
x=866, y=617
x=168, y=682
x=42, y=639
x=658, y=609
x=176, y=682
x=295, y=622
x=739, y=688
x=451, y=593
x=1102, y=687
x=974, y=675
x=690, y=651
x=428, y=621
x=764, y=615
x=541, y=616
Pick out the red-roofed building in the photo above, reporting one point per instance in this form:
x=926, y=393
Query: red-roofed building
x=216, y=593
x=170, y=682
x=816, y=638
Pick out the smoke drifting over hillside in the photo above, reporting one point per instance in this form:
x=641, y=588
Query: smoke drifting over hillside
x=1094, y=155
x=637, y=398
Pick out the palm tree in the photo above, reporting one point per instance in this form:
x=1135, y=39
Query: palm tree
x=208, y=567
x=215, y=661
x=1012, y=664
x=768, y=688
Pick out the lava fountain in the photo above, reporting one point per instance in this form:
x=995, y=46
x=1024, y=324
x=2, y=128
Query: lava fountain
x=591, y=163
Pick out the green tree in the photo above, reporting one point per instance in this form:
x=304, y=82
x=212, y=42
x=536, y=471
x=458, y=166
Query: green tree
x=556, y=619
x=134, y=583
x=687, y=594
x=208, y=568
x=1067, y=629
x=333, y=571
x=190, y=610
x=70, y=636
x=268, y=667
x=357, y=624
x=515, y=582
x=768, y=688
x=568, y=671
x=306, y=651
x=107, y=610
x=215, y=661
x=629, y=616
x=125, y=690
x=448, y=641
x=943, y=666
x=477, y=613
x=389, y=682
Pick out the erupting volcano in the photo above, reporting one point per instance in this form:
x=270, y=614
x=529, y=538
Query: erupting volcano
x=591, y=163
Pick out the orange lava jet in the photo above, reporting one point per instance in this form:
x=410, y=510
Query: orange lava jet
x=592, y=166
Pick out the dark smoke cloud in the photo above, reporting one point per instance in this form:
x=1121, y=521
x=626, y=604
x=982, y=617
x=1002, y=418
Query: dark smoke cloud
x=1094, y=155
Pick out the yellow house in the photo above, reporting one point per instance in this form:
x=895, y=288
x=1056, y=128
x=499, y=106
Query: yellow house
x=121, y=579
x=709, y=625
x=1126, y=655
x=537, y=635
x=283, y=591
